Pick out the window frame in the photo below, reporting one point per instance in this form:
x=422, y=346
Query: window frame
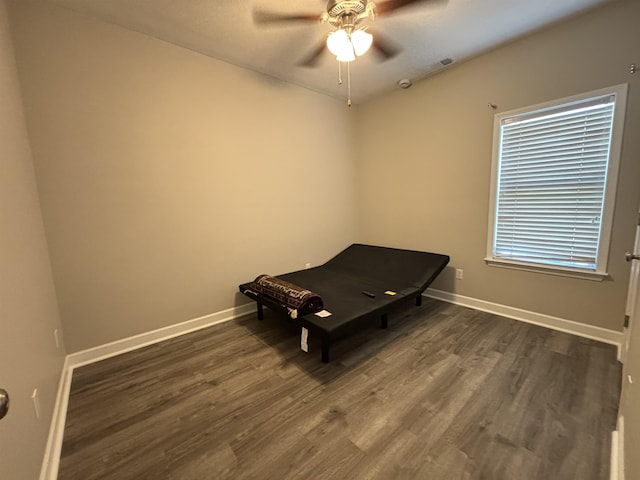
x=611, y=183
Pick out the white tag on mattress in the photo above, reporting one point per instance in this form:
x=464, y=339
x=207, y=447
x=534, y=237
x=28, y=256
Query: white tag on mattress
x=323, y=313
x=304, y=337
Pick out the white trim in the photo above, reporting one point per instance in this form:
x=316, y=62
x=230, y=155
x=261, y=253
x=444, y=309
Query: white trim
x=125, y=345
x=51, y=460
x=555, y=323
x=617, y=452
x=624, y=346
x=614, y=473
x=547, y=269
x=620, y=94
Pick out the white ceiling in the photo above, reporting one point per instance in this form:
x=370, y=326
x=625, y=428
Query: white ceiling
x=426, y=32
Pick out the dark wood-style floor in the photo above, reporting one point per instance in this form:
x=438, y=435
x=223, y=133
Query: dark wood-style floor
x=445, y=393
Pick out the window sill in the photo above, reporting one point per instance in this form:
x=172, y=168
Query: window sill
x=549, y=270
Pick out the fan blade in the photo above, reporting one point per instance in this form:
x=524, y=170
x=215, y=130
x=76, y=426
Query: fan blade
x=383, y=46
x=311, y=60
x=264, y=17
x=385, y=8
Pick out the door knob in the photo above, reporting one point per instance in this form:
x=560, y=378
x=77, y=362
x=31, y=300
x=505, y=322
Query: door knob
x=630, y=256
x=4, y=403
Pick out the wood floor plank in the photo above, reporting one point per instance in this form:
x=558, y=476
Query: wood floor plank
x=444, y=393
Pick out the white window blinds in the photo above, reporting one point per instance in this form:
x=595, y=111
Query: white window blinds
x=552, y=174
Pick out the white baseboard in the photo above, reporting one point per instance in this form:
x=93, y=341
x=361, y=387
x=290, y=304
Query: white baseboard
x=613, y=469
x=51, y=461
x=614, y=473
x=568, y=326
x=125, y=345
x=617, y=451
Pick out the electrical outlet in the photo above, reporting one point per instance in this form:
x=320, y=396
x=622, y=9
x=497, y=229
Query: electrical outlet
x=35, y=397
x=459, y=273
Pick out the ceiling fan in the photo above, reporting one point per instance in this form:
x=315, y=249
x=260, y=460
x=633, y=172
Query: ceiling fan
x=351, y=36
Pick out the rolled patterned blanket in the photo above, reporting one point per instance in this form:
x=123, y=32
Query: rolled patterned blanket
x=298, y=300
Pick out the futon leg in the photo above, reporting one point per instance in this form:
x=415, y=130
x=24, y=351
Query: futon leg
x=418, y=300
x=384, y=322
x=325, y=350
x=260, y=312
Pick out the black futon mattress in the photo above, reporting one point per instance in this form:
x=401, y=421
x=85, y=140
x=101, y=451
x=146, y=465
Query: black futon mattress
x=360, y=283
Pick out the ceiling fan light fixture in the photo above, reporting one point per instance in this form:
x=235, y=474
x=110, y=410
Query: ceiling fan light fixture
x=346, y=47
x=338, y=43
x=361, y=41
x=346, y=56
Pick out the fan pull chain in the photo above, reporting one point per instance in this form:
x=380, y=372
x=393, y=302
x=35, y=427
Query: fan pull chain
x=349, y=84
x=348, y=80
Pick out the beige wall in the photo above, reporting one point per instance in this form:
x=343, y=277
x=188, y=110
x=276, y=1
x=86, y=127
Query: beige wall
x=425, y=160
x=167, y=178
x=28, y=311
x=154, y=163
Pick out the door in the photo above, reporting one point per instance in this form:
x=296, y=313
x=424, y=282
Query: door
x=629, y=412
x=631, y=310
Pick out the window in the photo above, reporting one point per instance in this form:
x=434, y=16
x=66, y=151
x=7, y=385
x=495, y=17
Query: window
x=555, y=169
